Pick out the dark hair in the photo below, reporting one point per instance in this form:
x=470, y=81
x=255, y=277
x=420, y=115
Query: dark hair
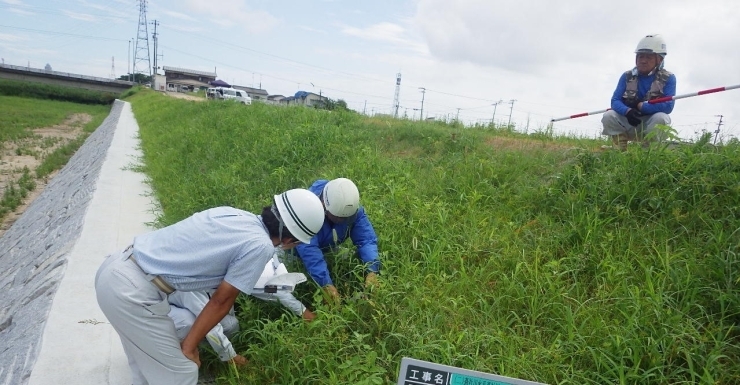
x=273, y=224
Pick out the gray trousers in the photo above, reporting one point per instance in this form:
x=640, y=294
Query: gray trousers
x=137, y=310
x=616, y=124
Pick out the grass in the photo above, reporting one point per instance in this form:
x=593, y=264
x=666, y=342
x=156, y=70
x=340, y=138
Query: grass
x=527, y=256
x=15, y=192
x=38, y=90
x=18, y=117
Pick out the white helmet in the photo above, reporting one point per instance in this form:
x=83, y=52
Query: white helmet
x=652, y=44
x=301, y=212
x=341, y=197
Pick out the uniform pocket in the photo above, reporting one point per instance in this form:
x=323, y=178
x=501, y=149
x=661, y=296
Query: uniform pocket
x=159, y=308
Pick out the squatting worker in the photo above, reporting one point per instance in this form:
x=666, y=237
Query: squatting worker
x=184, y=309
x=223, y=248
x=345, y=218
x=631, y=117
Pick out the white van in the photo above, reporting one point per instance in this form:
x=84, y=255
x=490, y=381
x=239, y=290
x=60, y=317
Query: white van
x=232, y=94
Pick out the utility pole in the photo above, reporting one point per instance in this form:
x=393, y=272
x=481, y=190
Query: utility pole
x=131, y=73
x=128, y=60
x=457, y=117
x=423, y=92
x=154, y=38
x=717, y=132
x=364, y=109
x=511, y=110
x=396, y=96
x=494, y=112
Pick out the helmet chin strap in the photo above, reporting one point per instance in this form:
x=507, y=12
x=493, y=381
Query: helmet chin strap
x=280, y=228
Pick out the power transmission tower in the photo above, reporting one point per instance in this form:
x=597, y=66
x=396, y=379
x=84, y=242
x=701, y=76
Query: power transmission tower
x=154, y=39
x=113, y=67
x=396, y=97
x=142, y=44
x=423, y=92
x=510, y=111
x=717, y=131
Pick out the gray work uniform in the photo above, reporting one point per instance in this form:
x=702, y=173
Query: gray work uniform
x=186, y=305
x=197, y=253
x=616, y=124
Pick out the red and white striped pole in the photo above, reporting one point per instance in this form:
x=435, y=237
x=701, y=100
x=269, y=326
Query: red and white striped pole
x=658, y=100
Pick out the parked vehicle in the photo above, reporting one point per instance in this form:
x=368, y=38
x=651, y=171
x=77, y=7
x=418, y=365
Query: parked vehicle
x=229, y=94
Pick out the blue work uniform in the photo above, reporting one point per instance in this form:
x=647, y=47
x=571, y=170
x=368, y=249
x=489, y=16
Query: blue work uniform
x=360, y=231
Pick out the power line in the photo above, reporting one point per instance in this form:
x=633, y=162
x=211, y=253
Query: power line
x=63, y=33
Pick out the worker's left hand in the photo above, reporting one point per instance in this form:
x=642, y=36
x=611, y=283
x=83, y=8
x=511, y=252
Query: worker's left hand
x=239, y=361
x=371, y=279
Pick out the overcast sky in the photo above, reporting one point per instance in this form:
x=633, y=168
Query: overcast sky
x=555, y=58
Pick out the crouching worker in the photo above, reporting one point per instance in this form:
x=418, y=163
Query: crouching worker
x=345, y=219
x=186, y=305
x=632, y=117
x=223, y=248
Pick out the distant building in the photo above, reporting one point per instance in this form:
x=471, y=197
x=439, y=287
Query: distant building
x=308, y=99
x=179, y=79
x=257, y=94
x=159, y=83
x=275, y=98
x=290, y=100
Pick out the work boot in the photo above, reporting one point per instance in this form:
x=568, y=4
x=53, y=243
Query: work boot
x=620, y=142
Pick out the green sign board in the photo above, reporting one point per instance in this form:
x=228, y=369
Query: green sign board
x=417, y=372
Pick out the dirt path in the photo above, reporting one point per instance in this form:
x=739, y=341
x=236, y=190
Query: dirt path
x=182, y=95
x=28, y=153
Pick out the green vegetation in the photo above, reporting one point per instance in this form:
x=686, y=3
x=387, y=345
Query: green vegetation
x=18, y=117
x=526, y=256
x=136, y=78
x=51, y=92
x=15, y=192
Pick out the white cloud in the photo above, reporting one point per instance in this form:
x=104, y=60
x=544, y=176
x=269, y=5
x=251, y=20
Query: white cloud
x=9, y=37
x=185, y=28
x=80, y=16
x=178, y=15
x=386, y=32
x=13, y=2
x=228, y=13
x=311, y=29
x=21, y=12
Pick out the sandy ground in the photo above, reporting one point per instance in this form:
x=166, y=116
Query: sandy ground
x=28, y=153
x=188, y=96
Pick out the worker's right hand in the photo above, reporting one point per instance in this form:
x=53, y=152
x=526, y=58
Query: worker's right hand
x=633, y=116
x=333, y=294
x=239, y=360
x=192, y=355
